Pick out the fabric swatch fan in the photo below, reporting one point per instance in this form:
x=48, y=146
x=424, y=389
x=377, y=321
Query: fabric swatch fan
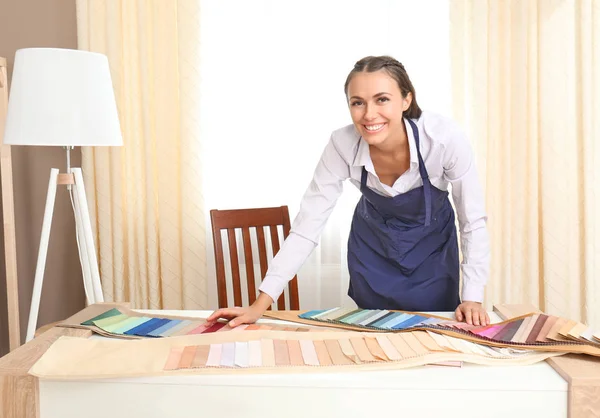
x=65, y=98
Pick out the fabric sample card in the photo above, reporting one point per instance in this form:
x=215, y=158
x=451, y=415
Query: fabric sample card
x=375, y=349
x=322, y=354
x=174, y=358
x=309, y=353
x=187, y=357
x=268, y=352
x=213, y=328
x=214, y=355
x=185, y=329
x=241, y=354
x=539, y=324
x=101, y=323
x=388, y=348
x=361, y=349
x=335, y=353
x=107, y=314
x=228, y=355
x=543, y=335
x=254, y=353
x=129, y=323
x=295, y=353
x=428, y=342
x=282, y=355
x=401, y=345
x=521, y=330
x=348, y=350
x=159, y=331
x=176, y=328
x=201, y=356
x=442, y=341
x=414, y=344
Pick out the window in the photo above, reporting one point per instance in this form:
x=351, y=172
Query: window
x=272, y=76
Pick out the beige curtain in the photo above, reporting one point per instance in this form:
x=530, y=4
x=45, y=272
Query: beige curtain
x=526, y=85
x=145, y=198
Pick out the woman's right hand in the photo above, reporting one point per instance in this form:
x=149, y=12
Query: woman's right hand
x=246, y=315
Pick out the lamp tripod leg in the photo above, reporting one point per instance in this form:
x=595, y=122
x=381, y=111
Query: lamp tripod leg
x=42, y=253
x=85, y=226
x=82, y=248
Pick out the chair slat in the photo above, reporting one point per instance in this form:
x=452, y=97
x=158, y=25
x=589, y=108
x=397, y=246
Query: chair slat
x=275, y=246
x=235, y=267
x=249, y=264
x=262, y=251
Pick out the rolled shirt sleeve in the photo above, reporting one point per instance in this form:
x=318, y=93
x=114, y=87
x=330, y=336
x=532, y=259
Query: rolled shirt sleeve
x=469, y=202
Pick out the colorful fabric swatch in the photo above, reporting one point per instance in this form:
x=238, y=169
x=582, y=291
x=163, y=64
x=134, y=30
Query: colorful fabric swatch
x=119, y=323
x=535, y=329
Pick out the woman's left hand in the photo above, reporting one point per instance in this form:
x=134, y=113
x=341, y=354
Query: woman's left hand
x=472, y=313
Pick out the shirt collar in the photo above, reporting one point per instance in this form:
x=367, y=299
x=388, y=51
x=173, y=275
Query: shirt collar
x=363, y=157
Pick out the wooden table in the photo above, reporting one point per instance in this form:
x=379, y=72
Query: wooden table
x=572, y=390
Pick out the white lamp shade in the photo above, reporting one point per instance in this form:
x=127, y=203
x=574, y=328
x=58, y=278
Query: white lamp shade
x=61, y=97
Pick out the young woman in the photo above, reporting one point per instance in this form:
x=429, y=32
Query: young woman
x=403, y=249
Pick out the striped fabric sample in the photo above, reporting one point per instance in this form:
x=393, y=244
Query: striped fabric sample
x=535, y=329
x=115, y=322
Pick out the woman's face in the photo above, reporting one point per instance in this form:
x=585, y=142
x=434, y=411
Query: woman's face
x=376, y=106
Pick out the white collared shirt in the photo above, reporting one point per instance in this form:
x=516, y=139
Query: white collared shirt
x=449, y=160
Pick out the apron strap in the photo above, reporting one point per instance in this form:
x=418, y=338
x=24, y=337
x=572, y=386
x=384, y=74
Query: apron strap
x=424, y=175
x=363, y=178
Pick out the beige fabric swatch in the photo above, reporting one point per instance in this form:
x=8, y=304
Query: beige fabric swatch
x=282, y=355
x=388, y=348
x=268, y=352
x=214, y=355
x=295, y=353
x=361, y=349
x=375, y=349
x=187, y=357
x=401, y=345
x=201, y=356
x=174, y=358
x=348, y=350
x=309, y=353
x=413, y=343
x=335, y=352
x=546, y=329
x=442, y=341
x=322, y=354
x=254, y=353
x=553, y=334
x=568, y=326
x=426, y=339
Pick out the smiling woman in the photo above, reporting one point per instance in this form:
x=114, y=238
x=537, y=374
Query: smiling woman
x=403, y=245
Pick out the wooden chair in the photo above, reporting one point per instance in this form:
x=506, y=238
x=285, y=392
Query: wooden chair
x=245, y=219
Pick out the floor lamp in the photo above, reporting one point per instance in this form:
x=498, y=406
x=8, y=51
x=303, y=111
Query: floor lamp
x=63, y=97
x=8, y=218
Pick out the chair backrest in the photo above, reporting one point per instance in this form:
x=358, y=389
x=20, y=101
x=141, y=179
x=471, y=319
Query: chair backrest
x=245, y=219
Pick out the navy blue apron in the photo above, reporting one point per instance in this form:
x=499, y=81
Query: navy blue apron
x=403, y=250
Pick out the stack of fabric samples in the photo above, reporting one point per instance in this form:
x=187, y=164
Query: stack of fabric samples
x=339, y=351
x=120, y=322
x=533, y=329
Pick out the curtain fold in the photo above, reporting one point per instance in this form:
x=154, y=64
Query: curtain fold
x=145, y=198
x=525, y=88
